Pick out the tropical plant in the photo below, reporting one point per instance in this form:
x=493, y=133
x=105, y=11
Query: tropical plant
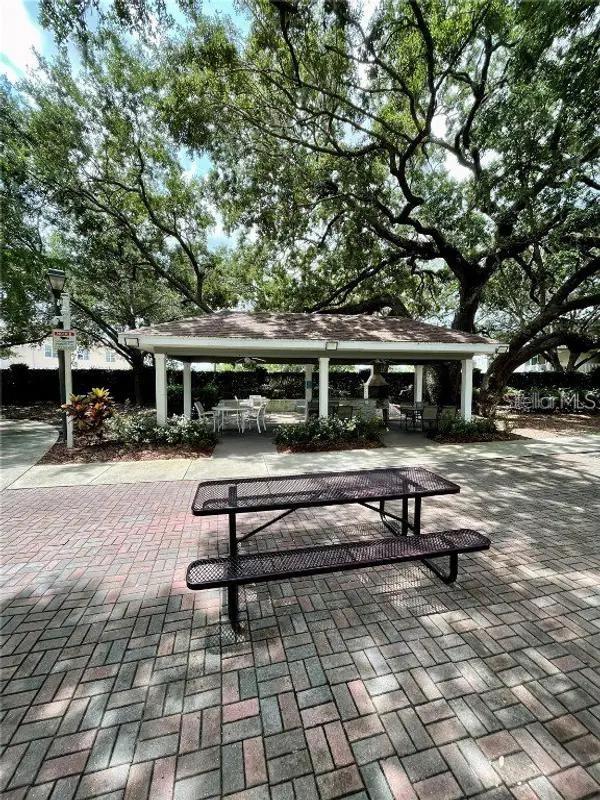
x=90, y=412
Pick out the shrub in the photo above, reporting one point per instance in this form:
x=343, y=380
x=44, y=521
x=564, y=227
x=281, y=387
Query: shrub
x=134, y=428
x=455, y=426
x=209, y=395
x=90, y=412
x=141, y=428
x=181, y=431
x=555, y=380
x=331, y=430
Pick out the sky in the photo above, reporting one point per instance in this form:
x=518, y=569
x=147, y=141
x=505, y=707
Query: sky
x=20, y=34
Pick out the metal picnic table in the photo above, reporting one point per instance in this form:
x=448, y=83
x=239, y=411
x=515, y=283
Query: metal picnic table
x=369, y=488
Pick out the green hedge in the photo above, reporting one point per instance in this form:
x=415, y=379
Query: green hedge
x=23, y=386
x=555, y=380
x=141, y=429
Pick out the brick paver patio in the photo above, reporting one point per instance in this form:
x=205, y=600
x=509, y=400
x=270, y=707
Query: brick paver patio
x=120, y=683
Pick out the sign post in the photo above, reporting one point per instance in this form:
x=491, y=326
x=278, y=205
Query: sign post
x=65, y=342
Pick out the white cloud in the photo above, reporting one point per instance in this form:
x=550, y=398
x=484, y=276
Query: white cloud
x=19, y=35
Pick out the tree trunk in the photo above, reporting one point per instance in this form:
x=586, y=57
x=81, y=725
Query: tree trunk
x=447, y=375
x=469, y=298
x=572, y=362
x=552, y=357
x=494, y=384
x=497, y=378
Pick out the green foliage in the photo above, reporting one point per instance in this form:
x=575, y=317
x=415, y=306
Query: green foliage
x=455, y=426
x=134, y=429
x=93, y=182
x=141, y=429
x=318, y=431
x=436, y=159
x=209, y=395
x=186, y=432
x=90, y=412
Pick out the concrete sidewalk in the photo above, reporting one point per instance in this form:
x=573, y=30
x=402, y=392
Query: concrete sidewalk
x=245, y=458
x=22, y=444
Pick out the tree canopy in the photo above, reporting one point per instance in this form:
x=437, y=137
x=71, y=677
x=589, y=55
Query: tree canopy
x=430, y=158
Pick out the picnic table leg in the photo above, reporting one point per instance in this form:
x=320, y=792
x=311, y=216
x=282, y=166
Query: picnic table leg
x=417, y=517
x=405, y=516
x=446, y=577
x=233, y=591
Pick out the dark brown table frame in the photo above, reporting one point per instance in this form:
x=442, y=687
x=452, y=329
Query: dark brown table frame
x=292, y=492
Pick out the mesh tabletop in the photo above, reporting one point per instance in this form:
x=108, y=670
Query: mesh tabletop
x=321, y=489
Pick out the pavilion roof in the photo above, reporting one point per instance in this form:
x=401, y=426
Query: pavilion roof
x=286, y=325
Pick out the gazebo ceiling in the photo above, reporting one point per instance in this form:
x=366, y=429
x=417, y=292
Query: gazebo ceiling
x=281, y=336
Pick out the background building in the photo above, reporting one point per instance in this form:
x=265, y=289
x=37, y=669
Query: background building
x=43, y=356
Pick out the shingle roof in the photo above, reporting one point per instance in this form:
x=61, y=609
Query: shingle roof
x=284, y=325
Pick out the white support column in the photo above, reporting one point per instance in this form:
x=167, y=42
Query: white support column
x=466, y=389
x=160, y=374
x=418, y=383
x=323, y=387
x=187, y=390
x=308, y=387
x=366, y=385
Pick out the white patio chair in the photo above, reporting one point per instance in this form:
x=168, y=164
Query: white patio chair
x=205, y=415
x=256, y=414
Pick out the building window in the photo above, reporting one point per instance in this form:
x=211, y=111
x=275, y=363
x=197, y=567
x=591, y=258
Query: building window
x=48, y=350
x=83, y=354
x=110, y=356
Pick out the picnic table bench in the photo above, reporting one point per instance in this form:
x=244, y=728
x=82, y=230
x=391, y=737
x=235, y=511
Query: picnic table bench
x=368, y=488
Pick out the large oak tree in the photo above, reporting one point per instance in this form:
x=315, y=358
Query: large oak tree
x=458, y=140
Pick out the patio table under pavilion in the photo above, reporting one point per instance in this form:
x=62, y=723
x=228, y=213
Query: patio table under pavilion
x=308, y=339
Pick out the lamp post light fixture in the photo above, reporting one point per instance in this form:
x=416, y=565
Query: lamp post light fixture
x=56, y=281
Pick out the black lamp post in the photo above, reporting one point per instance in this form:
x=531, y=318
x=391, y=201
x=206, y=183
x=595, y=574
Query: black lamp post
x=56, y=281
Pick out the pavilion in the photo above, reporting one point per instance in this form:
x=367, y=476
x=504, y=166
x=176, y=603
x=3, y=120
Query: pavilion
x=308, y=339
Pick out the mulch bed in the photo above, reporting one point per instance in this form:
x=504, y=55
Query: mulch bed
x=499, y=436
x=325, y=447
x=112, y=451
x=47, y=412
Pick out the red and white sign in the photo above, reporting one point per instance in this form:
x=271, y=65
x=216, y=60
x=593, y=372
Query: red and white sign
x=64, y=340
